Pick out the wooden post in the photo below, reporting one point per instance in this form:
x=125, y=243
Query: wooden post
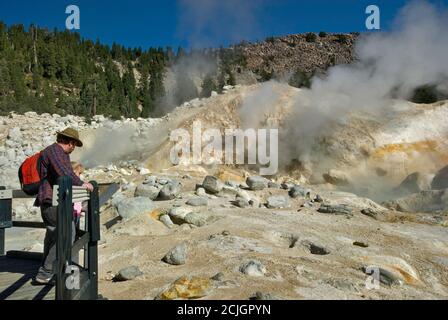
x=64, y=237
x=94, y=233
x=5, y=219
x=2, y=242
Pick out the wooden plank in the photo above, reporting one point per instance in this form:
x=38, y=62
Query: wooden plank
x=5, y=194
x=16, y=281
x=63, y=240
x=33, y=292
x=2, y=242
x=80, y=243
x=80, y=199
x=19, y=194
x=28, y=224
x=36, y=256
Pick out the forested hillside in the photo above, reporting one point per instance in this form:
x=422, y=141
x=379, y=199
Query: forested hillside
x=59, y=72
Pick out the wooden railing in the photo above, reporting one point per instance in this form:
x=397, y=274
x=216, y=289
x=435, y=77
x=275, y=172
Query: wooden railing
x=74, y=281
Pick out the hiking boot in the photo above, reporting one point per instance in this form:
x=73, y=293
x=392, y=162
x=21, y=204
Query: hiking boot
x=44, y=277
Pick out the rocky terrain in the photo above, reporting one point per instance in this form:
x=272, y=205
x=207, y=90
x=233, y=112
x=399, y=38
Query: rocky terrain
x=287, y=54
x=222, y=232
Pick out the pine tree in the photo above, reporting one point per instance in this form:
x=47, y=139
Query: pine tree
x=232, y=80
x=3, y=37
x=5, y=78
x=16, y=76
x=208, y=86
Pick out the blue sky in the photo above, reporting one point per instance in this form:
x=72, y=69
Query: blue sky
x=199, y=22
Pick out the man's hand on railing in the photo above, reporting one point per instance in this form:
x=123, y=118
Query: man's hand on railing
x=88, y=186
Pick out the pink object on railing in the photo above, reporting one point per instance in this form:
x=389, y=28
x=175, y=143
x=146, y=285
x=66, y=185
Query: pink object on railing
x=77, y=209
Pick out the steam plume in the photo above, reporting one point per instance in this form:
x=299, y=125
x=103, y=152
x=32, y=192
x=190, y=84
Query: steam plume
x=390, y=65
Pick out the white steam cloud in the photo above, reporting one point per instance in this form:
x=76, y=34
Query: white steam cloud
x=390, y=65
x=205, y=24
x=263, y=100
x=183, y=81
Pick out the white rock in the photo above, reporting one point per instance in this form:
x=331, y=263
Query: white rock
x=253, y=268
x=201, y=192
x=3, y=161
x=144, y=171
x=28, y=151
x=244, y=195
x=14, y=134
x=11, y=154
x=179, y=213
x=125, y=172
x=48, y=140
x=112, y=167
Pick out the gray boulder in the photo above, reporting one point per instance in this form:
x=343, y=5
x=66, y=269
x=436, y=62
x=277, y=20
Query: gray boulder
x=177, y=255
x=375, y=214
x=178, y=214
x=257, y=183
x=128, y=273
x=166, y=220
x=197, y=202
x=244, y=195
x=164, y=181
x=182, y=215
x=308, y=204
x=241, y=203
x=228, y=191
x=151, y=180
x=212, y=184
x=314, y=248
x=299, y=191
x=273, y=185
x=132, y=207
x=255, y=203
x=287, y=185
x=233, y=184
x=424, y=201
x=277, y=202
x=200, y=192
x=146, y=190
x=170, y=191
x=339, y=209
x=195, y=219
x=253, y=268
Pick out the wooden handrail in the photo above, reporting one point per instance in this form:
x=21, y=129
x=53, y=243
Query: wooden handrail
x=63, y=197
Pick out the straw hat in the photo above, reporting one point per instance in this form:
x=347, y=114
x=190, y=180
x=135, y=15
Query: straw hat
x=72, y=134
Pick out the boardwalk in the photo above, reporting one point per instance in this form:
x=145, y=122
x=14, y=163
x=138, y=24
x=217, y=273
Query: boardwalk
x=16, y=281
x=18, y=268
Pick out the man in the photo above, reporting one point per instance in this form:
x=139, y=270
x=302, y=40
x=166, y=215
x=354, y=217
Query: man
x=55, y=163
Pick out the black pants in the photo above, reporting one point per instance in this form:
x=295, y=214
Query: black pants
x=49, y=216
